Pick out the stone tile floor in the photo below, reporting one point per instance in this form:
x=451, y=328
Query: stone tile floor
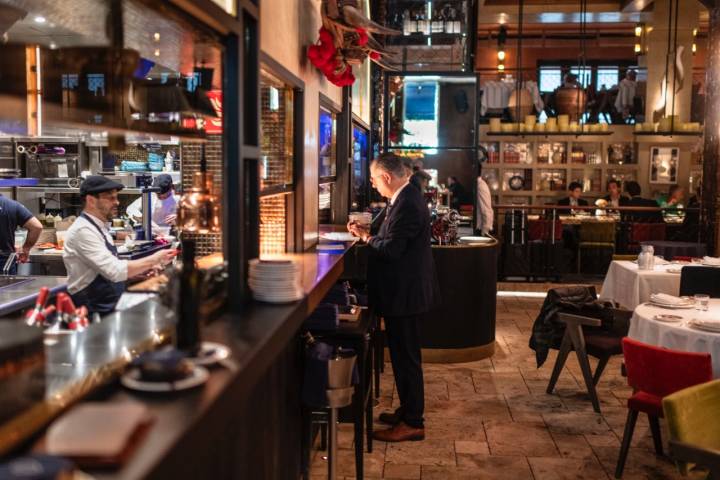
x=492, y=419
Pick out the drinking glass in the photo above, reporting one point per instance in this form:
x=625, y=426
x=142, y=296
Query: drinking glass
x=701, y=302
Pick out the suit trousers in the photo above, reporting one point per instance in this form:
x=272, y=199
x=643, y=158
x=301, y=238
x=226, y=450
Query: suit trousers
x=403, y=341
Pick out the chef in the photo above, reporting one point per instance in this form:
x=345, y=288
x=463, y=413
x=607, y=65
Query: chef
x=164, y=205
x=96, y=276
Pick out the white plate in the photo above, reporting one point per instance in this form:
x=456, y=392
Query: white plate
x=675, y=306
x=281, y=264
x=668, y=318
x=674, y=270
x=713, y=327
x=338, y=236
x=132, y=380
x=273, y=286
x=210, y=354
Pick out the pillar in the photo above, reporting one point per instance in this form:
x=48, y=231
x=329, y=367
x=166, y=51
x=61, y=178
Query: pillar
x=711, y=147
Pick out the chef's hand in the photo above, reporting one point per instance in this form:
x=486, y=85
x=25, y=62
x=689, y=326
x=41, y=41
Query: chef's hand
x=170, y=219
x=164, y=256
x=23, y=253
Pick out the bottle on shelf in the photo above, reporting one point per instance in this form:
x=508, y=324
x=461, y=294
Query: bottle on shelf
x=438, y=22
x=413, y=22
x=423, y=25
x=406, y=23
x=449, y=17
x=187, y=328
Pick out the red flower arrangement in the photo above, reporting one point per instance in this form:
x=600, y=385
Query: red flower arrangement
x=345, y=40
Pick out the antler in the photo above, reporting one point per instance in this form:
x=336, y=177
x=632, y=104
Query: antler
x=354, y=17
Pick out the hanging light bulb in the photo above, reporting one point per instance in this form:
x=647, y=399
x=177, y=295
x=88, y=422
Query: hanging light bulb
x=501, y=67
x=501, y=55
x=638, y=48
x=694, y=48
x=638, y=30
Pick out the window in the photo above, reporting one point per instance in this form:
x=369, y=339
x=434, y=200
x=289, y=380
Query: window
x=277, y=155
x=327, y=164
x=421, y=122
x=550, y=79
x=583, y=74
x=607, y=77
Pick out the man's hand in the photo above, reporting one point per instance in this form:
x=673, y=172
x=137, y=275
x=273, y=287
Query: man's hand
x=164, y=256
x=170, y=219
x=358, y=231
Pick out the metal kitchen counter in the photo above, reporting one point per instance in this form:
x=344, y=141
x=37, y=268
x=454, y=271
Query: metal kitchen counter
x=19, y=292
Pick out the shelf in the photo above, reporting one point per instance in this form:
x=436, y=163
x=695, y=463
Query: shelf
x=124, y=191
x=668, y=134
x=549, y=134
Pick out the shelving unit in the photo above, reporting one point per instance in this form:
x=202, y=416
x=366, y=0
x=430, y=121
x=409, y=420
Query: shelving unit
x=547, y=163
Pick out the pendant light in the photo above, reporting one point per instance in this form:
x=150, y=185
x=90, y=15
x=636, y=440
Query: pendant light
x=199, y=208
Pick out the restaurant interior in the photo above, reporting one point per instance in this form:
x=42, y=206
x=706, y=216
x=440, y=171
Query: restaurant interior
x=347, y=239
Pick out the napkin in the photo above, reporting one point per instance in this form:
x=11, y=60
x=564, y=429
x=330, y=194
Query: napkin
x=661, y=261
x=667, y=299
x=711, y=260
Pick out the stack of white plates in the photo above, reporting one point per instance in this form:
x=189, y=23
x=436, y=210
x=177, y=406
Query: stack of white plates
x=275, y=281
x=472, y=240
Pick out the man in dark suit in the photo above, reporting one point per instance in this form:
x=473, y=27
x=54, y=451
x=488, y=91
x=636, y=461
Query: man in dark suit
x=402, y=286
x=573, y=199
x=634, y=190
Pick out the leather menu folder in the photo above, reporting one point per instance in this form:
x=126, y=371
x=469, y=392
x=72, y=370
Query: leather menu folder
x=99, y=435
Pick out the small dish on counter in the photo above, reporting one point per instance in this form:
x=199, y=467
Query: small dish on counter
x=210, y=353
x=165, y=370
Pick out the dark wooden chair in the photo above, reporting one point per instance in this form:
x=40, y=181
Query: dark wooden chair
x=600, y=344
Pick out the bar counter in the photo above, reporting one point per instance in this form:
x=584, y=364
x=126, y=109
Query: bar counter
x=243, y=423
x=21, y=291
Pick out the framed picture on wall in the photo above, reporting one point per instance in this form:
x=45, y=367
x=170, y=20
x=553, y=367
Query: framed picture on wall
x=664, y=164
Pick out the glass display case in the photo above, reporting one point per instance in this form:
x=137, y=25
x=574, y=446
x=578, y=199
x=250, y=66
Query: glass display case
x=326, y=143
x=586, y=153
x=589, y=178
x=493, y=151
x=517, y=180
x=491, y=177
x=552, y=153
x=621, y=154
x=520, y=152
x=552, y=180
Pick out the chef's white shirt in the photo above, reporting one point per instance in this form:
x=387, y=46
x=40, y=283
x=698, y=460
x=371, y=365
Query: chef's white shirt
x=86, y=255
x=160, y=209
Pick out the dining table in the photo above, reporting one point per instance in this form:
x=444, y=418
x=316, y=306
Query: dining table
x=650, y=324
x=628, y=286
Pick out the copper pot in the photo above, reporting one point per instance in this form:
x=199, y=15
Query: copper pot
x=570, y=101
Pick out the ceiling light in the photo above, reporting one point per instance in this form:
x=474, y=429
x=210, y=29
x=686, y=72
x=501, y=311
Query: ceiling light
x=638, y=31
x=638, y=48
x=501, y=55
x=695, y=30
x=157, y=52
x=156, y=36
x=694, y=48
x=40, y=19
x=53, y=45
x=501, y=67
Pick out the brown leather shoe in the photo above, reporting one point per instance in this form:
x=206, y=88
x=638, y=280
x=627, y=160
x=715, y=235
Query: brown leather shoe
x=402, y=432
x=390, y=418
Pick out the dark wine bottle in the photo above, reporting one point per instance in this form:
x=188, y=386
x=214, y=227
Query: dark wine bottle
x=187, y=329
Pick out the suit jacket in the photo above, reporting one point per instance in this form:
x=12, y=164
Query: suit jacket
x=566, y=201
x=401, y=270
x=648, y=217
x=623, y=199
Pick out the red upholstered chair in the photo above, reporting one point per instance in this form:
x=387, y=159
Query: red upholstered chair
x=543, y=230
x=654, y=373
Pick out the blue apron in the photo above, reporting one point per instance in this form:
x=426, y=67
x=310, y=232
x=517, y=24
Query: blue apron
x=101, y=295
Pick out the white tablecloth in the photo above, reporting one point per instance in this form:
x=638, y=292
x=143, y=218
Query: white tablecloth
x=629, y=286
x=678, y=336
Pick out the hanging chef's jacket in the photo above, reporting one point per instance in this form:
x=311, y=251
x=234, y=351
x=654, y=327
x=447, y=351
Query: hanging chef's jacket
x=96, y=276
